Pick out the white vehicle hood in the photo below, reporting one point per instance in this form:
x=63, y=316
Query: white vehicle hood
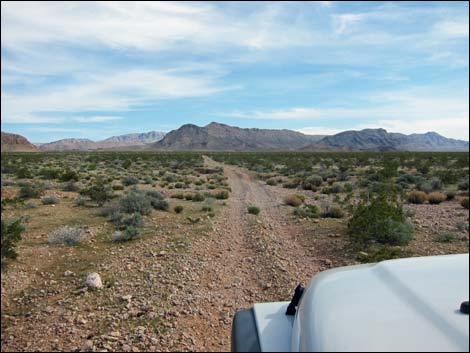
x=398, y=305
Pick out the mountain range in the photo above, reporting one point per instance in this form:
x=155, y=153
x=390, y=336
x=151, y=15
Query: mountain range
x=221, y=137
x=132, y=141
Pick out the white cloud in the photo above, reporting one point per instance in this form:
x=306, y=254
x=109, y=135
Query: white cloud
x=114, y=92
x=458, y=28
x=95, y=119
x=344, y=22
x=319, y=130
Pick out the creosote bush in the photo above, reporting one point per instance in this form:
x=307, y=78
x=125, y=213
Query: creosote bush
x=178, y=209
x=10, y=236
x=332, y=212
x=417, y=197
x=49, y=200
x=464, y=203
x=382, y=220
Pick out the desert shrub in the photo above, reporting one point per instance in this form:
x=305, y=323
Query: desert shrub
x=66, y=236
x=129, y=180
x=29, y=191
x=348, y=187
x=417, y=197
x=99, y=192
x=179, y=196
x=178, y=209
x=292, y=200
x=160, y=204
x=188, y=197
x=221, y=194
x=108, y=209
x=435, y=198
x=49, y=200
x=118, y=187
x=10, y=236
x=126, y=164
x=30, y=205
x=24, y=173
x=198, y=198
x=312, y=182
x=382, y=220
x=271, y=181
x=379, y=252
x=291, y=184
x=50, y=173
x=79, y=201
x=206, y=208
x=334, y=189
x=68, y=175
x=463, y=184
x=71, y=187
x=464, y=202
x=332, y=212
x=450, y=195
x=253, y=210
x=307, y=211
x=462, y=226
x=123, y=220
x=436, y=184
x=136, y=202
x=179, y=185
x=445, y=237
x=425, y=186
x=128, y=234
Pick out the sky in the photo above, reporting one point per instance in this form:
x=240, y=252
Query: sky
x=97, y=69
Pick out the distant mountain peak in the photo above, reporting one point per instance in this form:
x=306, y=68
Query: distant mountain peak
x=16, y=143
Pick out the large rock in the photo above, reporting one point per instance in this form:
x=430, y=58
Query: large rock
x=93, y=280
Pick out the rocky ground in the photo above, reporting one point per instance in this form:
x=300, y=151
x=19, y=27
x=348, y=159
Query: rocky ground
x=179, y=286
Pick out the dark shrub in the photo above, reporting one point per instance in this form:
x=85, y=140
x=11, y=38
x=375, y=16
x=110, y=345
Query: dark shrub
x=221, y=194
x=464, y=203
x=30, y=191
x=99, y=192
x=450, y=195
x=381, y=221
x=11, y=235
x=332, y=212
x=463, y=184
x=198, y=198
x=49, y=200
x=436, y=184
x=178, y=209
x=435, y=198
x=129, y=180
x=253, y=210
x=71, y=187
x=129, y=233
x=68, y=175
x=122, y=220
x=446, y=237
x=312, y=182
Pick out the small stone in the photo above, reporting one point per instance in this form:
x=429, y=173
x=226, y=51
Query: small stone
x=93, y=280
x=126, y=298
x=68, y=273
x=87, y=346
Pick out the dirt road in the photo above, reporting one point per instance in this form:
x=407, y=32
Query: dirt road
x=245, y=259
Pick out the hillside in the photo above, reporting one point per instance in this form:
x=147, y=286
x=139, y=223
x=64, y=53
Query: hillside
x=221, y=137
x=381, y=140
x=16, y=143
x=128, y=141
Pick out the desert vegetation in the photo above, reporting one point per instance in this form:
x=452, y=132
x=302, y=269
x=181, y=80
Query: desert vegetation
x=165, y=230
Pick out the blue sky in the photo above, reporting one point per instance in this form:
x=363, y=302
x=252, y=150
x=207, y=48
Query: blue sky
x=100, y=69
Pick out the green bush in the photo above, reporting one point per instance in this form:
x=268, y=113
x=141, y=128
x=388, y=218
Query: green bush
x=68, y=175
x=129, y=233
x=178, y=209
x=71, y=187
x=29, y=191
x=136, y=202
x=11, y=235
x=450, y=195
x=417, y=197
x=464, y=202
x=312, y=182
x=253, y=210
x=129, y=180
x=379, y=221
x=122, y=220
x=198, y=198
x=446, y=237
x=99, y=192
x=50, y=200
x=307, y=211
